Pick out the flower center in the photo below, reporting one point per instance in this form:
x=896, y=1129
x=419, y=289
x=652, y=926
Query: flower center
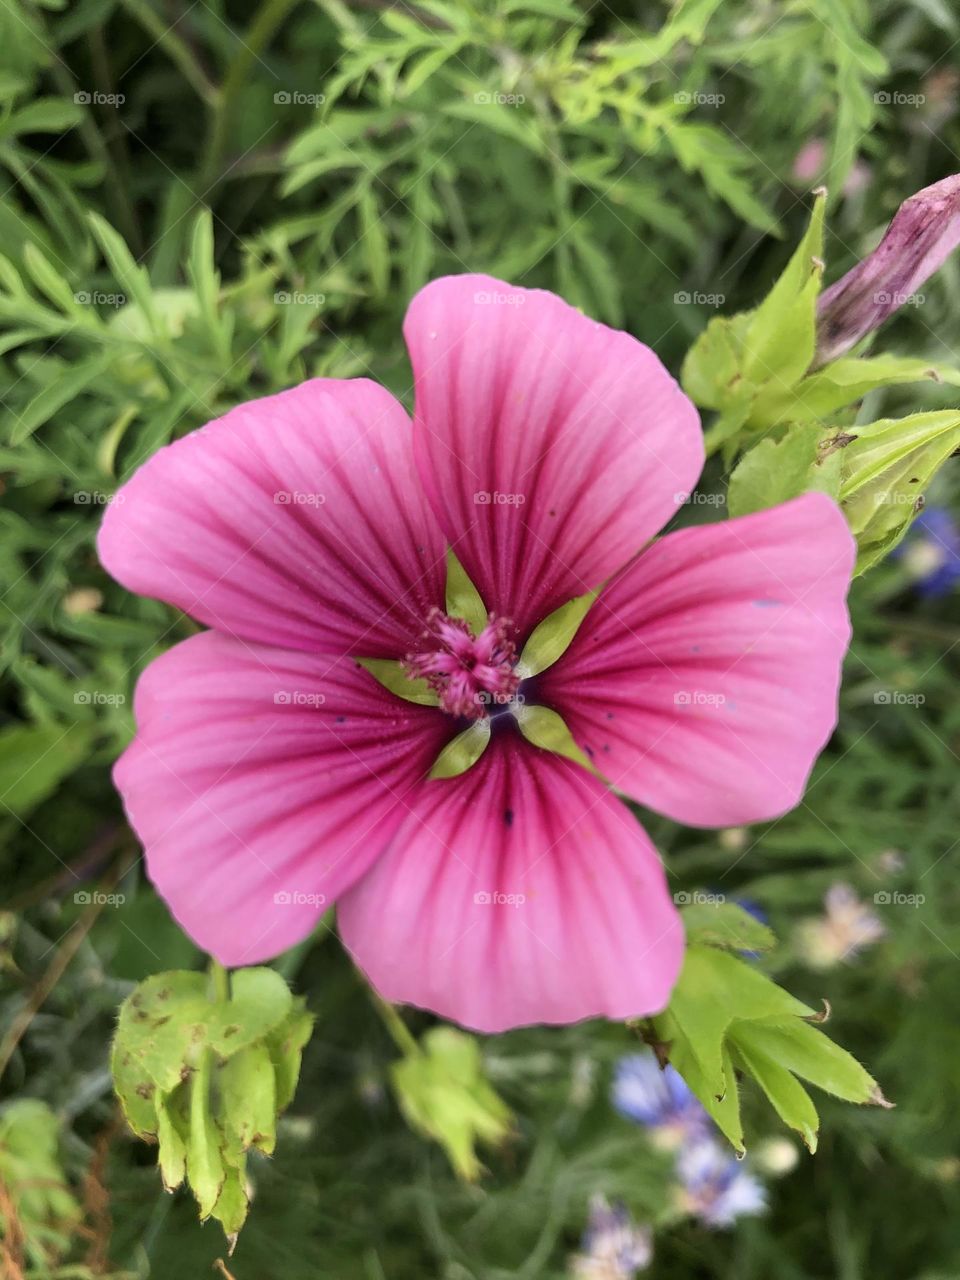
x=468, y=673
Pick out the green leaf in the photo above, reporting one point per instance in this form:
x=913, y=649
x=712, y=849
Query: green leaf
x=285, y=1045
x=248, y=1098
x=774, y=471
x=35, y=759
x=463, y=599
x=547, y=729
x=463, y=751
x=885, y=467
x=780, y=340
x=712, y=372
x=393, y=676
x=57, y=393
x=788, y=1097
x=726, y=1014
x=443, y=1093
x=841, y=383
x=551, y=638
x=173, y=1149
x=204, y=1157
x=726, y=924
x=810, y=1053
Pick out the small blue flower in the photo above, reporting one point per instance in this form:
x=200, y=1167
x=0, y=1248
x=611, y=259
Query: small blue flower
x=658, y=1099
x=716, y=1187
x=613, y=1246
x=931, y=552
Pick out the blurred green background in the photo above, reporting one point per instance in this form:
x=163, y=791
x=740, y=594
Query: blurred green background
x=653, y=165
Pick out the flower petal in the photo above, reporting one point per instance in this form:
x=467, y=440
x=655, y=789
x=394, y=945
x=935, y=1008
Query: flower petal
x=551, y=447
x=262, y=783
x=296, y=520
x=704, y=680
x=520, y=892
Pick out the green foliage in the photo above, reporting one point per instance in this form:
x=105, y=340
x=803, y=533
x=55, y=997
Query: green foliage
x=38, y=1212
x=725, y=1017
x=206, y=1078
x=441, y=1088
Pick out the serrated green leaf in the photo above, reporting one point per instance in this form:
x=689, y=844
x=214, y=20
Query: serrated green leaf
x=787, y=1096
x=810, y=1053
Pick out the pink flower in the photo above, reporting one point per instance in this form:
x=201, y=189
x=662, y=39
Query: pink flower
x=272, y=776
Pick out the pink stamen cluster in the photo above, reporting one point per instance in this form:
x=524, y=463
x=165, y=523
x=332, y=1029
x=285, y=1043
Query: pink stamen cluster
x=466, y=672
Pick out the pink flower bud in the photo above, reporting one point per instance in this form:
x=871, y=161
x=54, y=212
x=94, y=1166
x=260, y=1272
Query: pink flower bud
x=922, y=235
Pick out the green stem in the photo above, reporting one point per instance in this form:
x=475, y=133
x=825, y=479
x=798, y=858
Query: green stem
x=176, y=48
x=220, y=981
x=396, y=1026
x=262, y=30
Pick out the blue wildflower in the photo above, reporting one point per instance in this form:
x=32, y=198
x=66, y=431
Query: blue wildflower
x=931, y=552
x=715, y=1186
x=658, y=1099
x=613, y=1246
